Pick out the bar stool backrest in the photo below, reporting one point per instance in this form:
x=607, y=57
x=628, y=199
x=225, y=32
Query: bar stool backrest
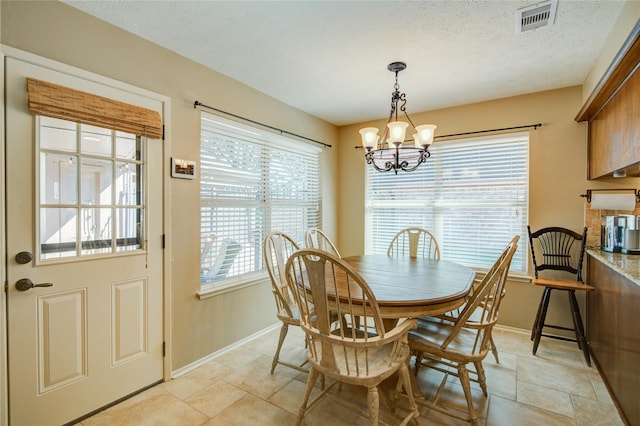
x=559, y=249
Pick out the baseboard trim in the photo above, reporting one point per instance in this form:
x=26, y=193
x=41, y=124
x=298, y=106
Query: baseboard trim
x=198, y=363
x=512, y=329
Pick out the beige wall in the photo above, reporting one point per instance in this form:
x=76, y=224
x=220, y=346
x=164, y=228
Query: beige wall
x=627, y=20
x=59, y=32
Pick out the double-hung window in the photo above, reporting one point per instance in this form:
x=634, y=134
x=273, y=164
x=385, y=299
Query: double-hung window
x=251, y=183
x=472, y=194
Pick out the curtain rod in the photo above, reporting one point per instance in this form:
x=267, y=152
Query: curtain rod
x=535, y=126
x=197, y=104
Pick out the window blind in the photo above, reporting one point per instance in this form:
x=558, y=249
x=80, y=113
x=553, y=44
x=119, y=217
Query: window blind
x=252, y=182
x=52, y=100
x=472, y=194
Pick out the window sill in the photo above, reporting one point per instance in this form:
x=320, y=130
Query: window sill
x=519, y=277
x=232, y=284
x=513, y=277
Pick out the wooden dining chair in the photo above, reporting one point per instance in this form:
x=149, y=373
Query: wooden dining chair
x=414, y=242
x=452, y=316
x=449, y=346
x=559, y=249
x=315, y=238
x=278, y=247
x=348, y=356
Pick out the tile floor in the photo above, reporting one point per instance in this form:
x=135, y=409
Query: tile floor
x=553, y=388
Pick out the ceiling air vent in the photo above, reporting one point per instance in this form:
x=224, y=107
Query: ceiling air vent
x=536, y=16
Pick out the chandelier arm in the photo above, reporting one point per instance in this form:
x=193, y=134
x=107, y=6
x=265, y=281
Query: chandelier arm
x=409, y=120
x=423, y=158
x=369, y=156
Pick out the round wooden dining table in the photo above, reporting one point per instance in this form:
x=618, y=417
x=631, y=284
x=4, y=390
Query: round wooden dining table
x=408, y=287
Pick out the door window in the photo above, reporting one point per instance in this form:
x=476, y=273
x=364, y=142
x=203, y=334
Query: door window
x=91, y=193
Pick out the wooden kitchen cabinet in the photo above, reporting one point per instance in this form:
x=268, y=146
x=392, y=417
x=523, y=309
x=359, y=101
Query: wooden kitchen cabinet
x=613, y=333
x=614, y=133
x=613, y=114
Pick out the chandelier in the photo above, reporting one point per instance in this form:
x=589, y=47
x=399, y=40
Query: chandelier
x=391, y=153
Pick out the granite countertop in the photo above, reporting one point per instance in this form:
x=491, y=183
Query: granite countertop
x=627, y=265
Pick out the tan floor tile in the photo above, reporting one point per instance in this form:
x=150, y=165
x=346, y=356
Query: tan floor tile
x=601, y=391
x=290, y=396
x=238, y=389
x=594, y=413
x=566, y=353
x=452, y=396
x=255, y=378
x=250, y=410
x=329, y=412
x=216, y=398
x=505, y=412
x=501, y=381
x=507, y=360
x=555, y=376
x=268, y=343
x=545, y=398
x=434, y=418
x=196, y=380
x=238, y=357
x=156, y=408
x=512, y=342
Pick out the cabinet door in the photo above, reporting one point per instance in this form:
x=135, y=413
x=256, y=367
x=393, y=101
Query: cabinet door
x=615, y=131
x=613, y=335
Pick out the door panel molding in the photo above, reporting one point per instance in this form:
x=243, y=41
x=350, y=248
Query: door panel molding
x=62, y=339
x=130, y=316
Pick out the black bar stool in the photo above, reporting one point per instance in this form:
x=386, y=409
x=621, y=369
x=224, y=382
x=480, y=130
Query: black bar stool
x=558, y=250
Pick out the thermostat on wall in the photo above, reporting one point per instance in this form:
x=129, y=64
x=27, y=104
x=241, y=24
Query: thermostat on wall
x=183, y=169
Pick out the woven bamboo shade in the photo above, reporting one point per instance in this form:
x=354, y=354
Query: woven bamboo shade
x=56, y=101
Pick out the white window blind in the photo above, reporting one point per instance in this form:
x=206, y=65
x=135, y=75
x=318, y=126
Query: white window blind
x=251, y=182
x=471, y=194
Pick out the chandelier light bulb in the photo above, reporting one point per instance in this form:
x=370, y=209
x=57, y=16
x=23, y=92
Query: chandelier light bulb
x=424, y=136
x=369, y=138
x=397, y=132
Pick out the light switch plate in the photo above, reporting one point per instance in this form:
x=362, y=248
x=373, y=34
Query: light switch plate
x=183, y=169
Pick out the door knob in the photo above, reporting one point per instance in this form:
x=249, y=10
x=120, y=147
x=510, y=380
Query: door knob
x=24, y=257
x=25, y=284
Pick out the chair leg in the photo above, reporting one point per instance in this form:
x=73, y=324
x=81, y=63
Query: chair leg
x=276, y=357
x=463, y=374
x=494, y=349
x=482, y=379
x=418, y=355
x=579, y=329
x=537, y=319
x=404, y=381
x=373, y=400
x=540, y=321
x=311, y=380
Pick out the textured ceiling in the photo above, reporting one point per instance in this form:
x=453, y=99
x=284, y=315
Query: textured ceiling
x=329, y=58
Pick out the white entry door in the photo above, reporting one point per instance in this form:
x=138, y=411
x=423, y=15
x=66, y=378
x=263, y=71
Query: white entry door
x=84, y=226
